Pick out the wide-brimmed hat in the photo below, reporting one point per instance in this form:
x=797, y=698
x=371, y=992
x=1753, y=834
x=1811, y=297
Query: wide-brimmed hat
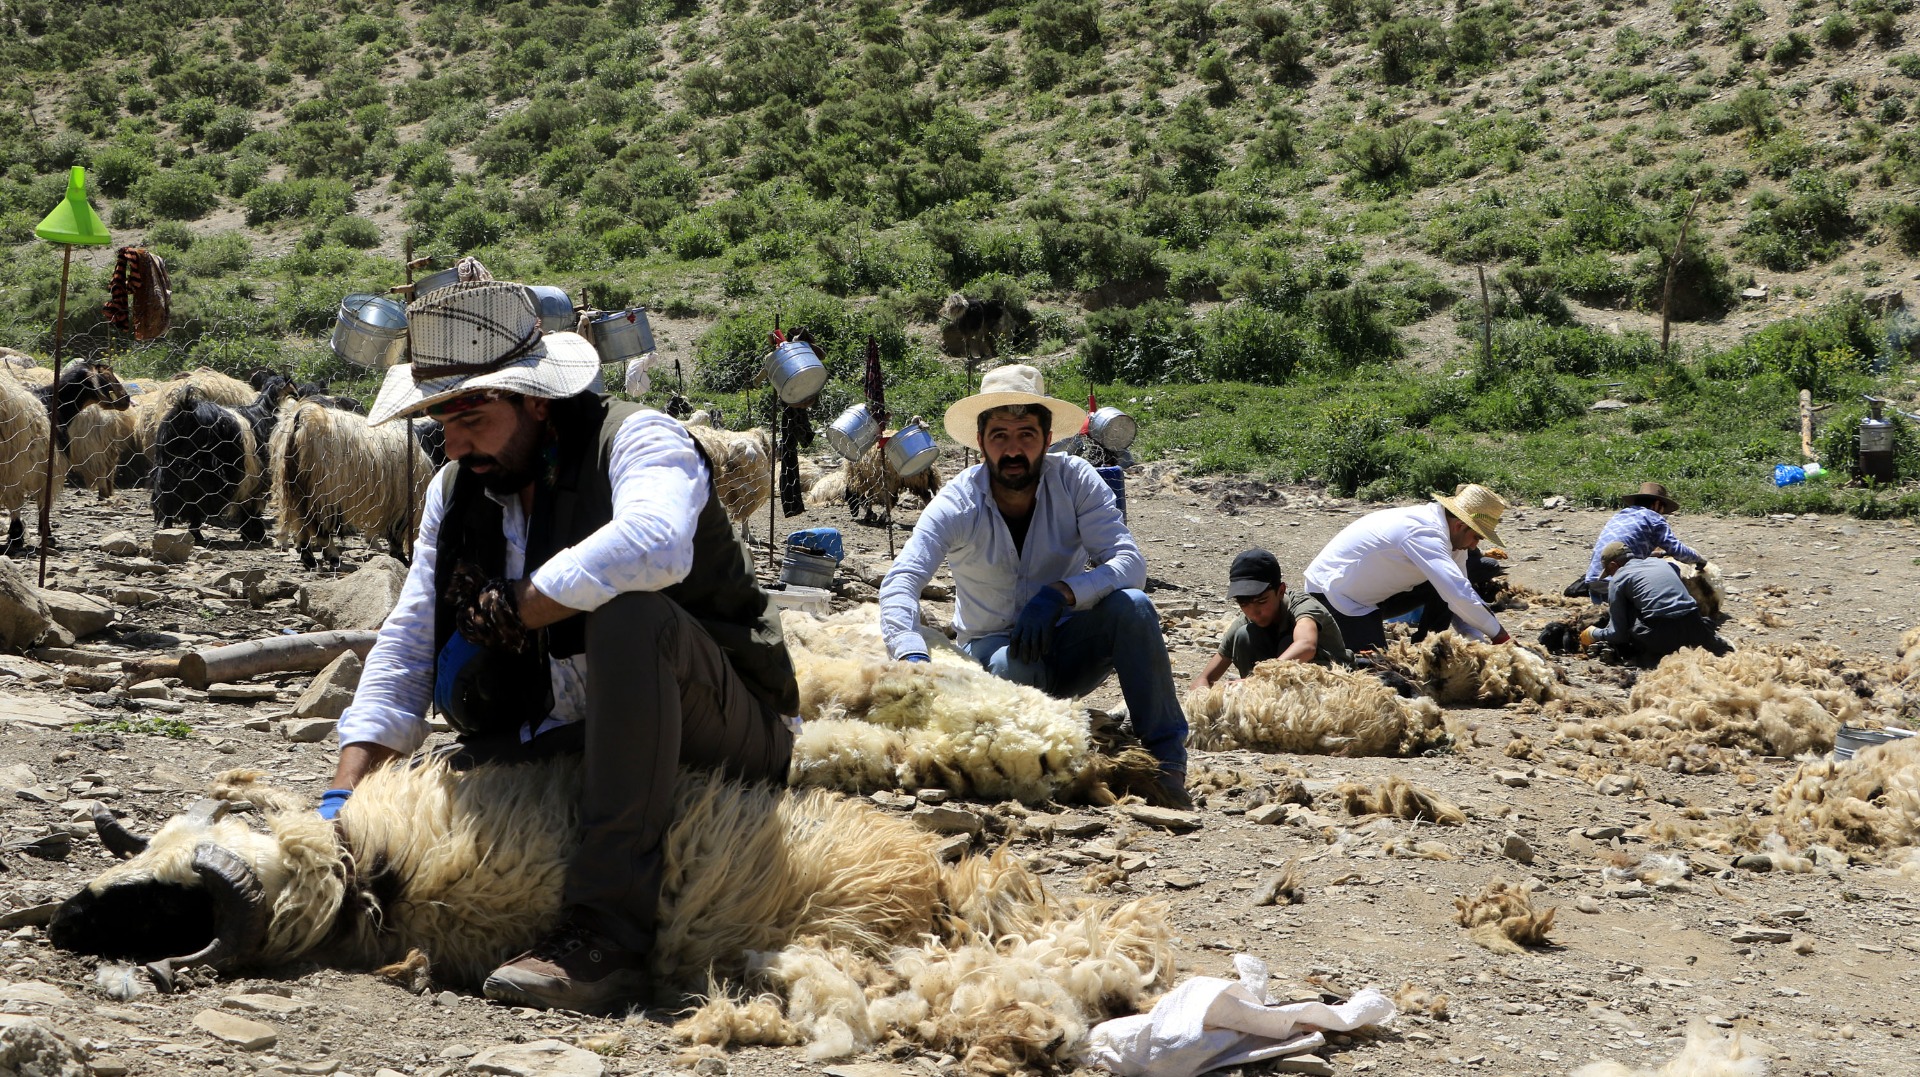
x=1478, y=508
x=1653, y=495
x=482, y=335
x=1001, y=386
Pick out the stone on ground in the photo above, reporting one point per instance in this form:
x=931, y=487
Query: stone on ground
x=360, y=600
x=239, y=1031
x=541, y=1058
x=82, y=615
x=172, y=546
x=331, y=689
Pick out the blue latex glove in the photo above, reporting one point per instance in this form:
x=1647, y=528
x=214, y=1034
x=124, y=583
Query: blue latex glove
x=915, y=658
x=332, y=801
x=1032, y=634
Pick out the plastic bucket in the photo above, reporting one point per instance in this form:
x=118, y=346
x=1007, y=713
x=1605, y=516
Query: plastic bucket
x=370, y=331
x=802, y=568
x=1116, y=478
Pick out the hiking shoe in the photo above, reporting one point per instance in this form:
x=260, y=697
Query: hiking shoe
x=573, y=969
x=1171, y=791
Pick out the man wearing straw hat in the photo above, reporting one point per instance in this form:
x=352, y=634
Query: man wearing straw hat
x=1642, y=527
x=576, y=587
x=1019, y=531
x=1394, y=561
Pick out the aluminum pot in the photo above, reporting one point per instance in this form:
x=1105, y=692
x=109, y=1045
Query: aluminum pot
x=1113, y=429
x=911, y=449
x=434, y=281
x=621, y=336
x=795, y=371
x=555, y=307
x=370, y=331
x=804, y=568
x=854, y=432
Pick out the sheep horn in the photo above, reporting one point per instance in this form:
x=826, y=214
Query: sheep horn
x=120, y=841
x=240, y=913
x=207, y=811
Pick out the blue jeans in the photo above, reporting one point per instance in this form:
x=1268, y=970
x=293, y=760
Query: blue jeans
x=1121, y=632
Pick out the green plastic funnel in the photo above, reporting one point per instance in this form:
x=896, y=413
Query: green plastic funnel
x=73, y=221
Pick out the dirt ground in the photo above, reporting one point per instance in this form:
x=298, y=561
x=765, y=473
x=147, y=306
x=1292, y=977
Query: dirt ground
x=1628, y=969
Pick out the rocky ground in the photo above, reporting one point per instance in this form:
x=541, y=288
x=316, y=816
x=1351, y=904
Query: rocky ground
x=1824, y=967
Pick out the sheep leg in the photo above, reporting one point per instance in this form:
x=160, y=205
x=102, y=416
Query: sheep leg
x=16, y=532
x=253, y=529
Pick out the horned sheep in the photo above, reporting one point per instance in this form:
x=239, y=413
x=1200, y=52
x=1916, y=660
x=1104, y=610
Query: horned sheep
x=821, y=898
x=330, y=470
x=1285, y=706
x=742, y=466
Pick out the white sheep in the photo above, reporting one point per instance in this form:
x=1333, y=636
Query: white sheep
x=742, y=465
x=869, y=487
x=100, y=440
x=330, y=470
x=468, y=869
x=23, y=453
x=1285, y=706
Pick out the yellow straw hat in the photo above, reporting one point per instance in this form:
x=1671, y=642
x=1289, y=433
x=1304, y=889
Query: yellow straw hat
x=1478, y=508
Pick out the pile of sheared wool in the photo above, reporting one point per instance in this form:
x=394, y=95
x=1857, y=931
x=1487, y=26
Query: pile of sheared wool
x=1400, y=798
x=1502, y=919
x=1706, y=1054
x=1011, y=981
x=1867, y=805
x=1299, y=707
x=871, y=723
x=1909, y=666
x=1466, y=672
x=1695, y=705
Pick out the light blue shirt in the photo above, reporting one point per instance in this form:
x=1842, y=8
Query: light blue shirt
x=1075, y=524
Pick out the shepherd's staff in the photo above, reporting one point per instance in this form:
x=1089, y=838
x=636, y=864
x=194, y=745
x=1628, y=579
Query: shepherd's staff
x=71, y=224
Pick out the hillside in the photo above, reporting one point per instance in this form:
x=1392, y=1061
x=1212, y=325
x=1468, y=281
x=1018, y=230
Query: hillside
x=1201, y=196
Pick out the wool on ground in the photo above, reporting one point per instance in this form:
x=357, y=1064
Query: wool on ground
x=1462, y=672
x=1707, y=1054
x=1400, y=798
x=1502, y=919
x=1868, y=805
x=1312, y=710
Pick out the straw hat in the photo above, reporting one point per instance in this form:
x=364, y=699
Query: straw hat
x=1653, y=495
x=1001, y=386
x=482, y=335
x=1477, y=507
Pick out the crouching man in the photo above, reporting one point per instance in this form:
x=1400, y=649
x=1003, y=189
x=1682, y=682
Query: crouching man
x=1395, y=561
x=1272, y=625
x=1019, y=531
x=576, y=587
x=1650, y=612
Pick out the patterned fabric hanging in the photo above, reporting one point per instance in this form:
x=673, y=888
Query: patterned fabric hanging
x=876, y=385
x=140, y=296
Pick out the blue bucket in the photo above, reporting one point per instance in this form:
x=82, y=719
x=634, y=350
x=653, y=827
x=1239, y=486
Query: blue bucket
x=1116, y=478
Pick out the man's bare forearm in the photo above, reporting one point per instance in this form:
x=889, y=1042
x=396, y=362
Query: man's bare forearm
x=357, y=760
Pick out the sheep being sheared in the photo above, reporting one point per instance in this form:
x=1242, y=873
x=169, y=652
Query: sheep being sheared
x=1298, y=707
x=869, y=488
x=1467, y=672
x=871, y=723
x=210, y=460
x=757, y=881
x=1694, y=706
x=331, y=471
x=1706, y=1054
x=742, y=466
x=28, y=416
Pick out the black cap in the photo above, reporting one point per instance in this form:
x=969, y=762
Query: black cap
x=1252, y=574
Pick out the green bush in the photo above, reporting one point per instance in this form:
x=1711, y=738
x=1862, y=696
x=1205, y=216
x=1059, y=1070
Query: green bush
x=356, y=232
x=627, y=241
x=217, y=254
x=1902, y=220
x=1243, y=342
x=177, y=195
x=314, y=199
x=1352, y=444
x=1817, y=353
x=1791, y=233
x=1156, y=341
x=1410, y=47
x=115, y=169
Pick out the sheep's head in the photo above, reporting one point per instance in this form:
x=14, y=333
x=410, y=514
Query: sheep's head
x=196, y=893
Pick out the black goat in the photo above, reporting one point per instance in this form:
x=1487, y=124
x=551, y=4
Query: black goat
x=210, y=459
x=84, y=382
x=976, y=328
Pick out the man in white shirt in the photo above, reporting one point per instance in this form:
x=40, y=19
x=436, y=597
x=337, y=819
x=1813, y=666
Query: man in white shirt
x=1393, y=561
x=576, y=587
x=1047, y=578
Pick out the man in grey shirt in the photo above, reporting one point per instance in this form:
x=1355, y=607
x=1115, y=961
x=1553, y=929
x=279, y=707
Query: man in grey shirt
x=1651, y=614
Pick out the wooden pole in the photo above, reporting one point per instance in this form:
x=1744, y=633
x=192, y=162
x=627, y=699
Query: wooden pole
x=1806, y=424
x=1486, y=319
x=773, y=475
x=407, y=259
x=53, y=408
x=307, y=652
x=1666, y=290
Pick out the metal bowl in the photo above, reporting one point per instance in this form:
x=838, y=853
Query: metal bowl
x=555, y=307
x=434, y=281
x=1113, y=429
x=911, y=449
x=795, y=371
x=854, y=432
x=622, y=335
x=370, y=331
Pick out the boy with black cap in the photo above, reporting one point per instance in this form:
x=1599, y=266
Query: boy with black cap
x=1271, y=624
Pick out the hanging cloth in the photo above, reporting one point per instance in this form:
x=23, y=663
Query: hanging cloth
x=140, y=295
x=875, y=385
x=796, y=433
x=471, y=269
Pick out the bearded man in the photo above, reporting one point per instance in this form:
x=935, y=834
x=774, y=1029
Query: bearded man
x=1047, y=578
x=576, y=587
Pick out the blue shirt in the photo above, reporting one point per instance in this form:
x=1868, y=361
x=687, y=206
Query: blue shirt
x=1643, y=530
x=1075, y=524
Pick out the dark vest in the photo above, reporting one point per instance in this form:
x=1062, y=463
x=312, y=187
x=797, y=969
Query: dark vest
x=720, y=591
